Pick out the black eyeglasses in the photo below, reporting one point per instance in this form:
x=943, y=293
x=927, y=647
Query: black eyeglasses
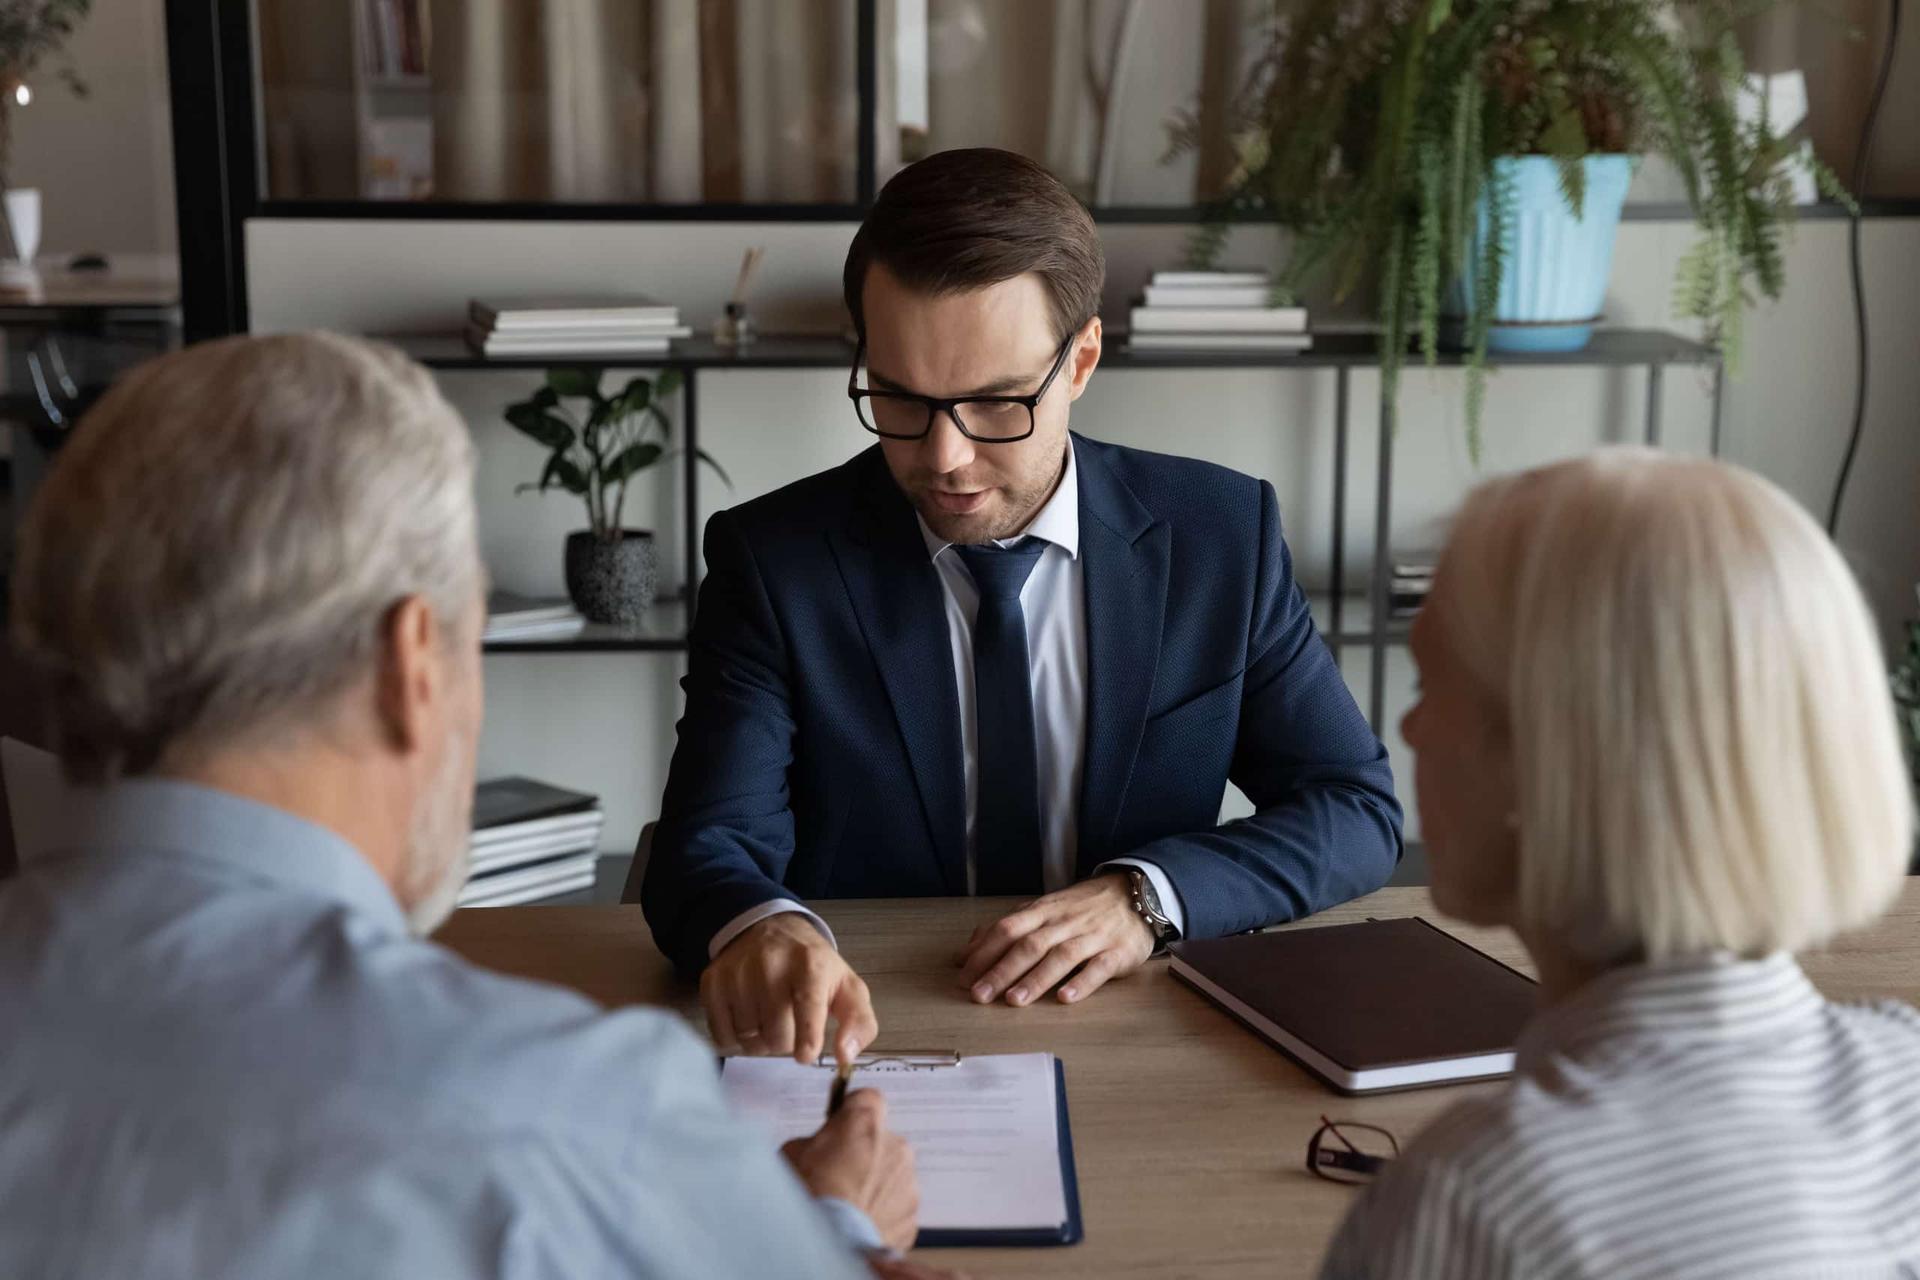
x=1342, y=1151
x=901, y=415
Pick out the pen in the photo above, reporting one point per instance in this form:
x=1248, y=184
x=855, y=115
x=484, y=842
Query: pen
x=838, y=1094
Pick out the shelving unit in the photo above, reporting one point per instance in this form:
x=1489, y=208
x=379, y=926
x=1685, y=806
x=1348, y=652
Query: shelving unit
x=664, y=630
x=1652, y=349
x=393, y=98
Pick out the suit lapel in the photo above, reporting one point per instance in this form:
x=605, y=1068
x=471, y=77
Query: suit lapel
x=897, y=598
x=1126, y=554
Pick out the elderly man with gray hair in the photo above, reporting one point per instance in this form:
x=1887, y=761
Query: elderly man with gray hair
x=252, y=588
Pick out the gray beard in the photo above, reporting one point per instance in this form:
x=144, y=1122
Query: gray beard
x=439, y=844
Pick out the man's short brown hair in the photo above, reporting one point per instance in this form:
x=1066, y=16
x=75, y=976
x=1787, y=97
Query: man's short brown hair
x=970, y=218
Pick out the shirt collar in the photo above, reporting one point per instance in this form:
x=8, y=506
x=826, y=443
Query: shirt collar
x=1713, y=998
x=151, y=817
x=1057, y=522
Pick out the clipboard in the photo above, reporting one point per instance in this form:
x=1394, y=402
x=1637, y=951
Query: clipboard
x=1070, y=1231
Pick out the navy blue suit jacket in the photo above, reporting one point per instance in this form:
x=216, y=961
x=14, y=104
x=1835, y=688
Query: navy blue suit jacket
x=819, y=755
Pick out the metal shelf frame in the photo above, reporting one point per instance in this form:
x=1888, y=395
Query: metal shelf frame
x=1652, y=349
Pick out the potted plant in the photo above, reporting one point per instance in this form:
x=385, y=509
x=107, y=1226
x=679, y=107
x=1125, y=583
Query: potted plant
x=596, y=450
x=1477, y=153
x=30, y=30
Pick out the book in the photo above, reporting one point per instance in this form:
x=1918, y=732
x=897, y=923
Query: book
x=595, y=332
x=570, y=309
x=1218, y=320
x=510, y=609
x=530, y=883
x=1184, y=295
x=1220, y=341
x=536, y=848
x=1385, y=1004
x=500, y=801
x=518, y=617
x=571, y=829
x=567, y=345
x=558, y=629
x=1213, y=279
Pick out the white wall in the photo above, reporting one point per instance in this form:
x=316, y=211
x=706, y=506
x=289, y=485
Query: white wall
x=104, y=163
x=605, y=721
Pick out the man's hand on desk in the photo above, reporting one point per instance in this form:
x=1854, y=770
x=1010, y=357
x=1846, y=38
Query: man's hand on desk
x=855, y=1158
x=771, y=990
x=1090, y=926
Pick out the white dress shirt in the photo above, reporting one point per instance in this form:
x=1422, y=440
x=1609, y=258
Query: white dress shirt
x=1054, y=601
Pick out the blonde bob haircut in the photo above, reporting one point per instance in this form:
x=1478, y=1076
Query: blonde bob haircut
x=1704, y=746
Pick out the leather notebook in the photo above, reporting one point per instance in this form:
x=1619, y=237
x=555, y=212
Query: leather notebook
x=1385, y=1004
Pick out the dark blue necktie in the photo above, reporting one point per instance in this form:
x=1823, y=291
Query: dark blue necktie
x=1007, y=811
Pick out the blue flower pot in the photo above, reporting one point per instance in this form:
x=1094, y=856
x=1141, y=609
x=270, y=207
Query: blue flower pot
x=1557, y=264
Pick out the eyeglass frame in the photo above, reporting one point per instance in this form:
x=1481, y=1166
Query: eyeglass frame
x=1365, y=1167
x=936, y=406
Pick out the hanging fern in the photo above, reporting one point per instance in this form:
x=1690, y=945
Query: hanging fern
x=1371, y=129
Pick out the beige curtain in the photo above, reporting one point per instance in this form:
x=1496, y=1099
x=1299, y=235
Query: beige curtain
x=644, y=100
x=1087, y=87
x=307, y=100
x=541, y=99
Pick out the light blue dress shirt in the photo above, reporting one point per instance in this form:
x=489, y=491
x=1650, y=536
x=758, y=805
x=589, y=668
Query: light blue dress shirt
x=224, y=1056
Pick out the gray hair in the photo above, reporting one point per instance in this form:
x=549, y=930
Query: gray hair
x=216, y=548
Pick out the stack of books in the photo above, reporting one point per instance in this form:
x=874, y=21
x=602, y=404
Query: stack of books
x=516, y=617
x=397, y=37
x=1407, y=590
x=1217, y=311
x=573, y=326
x=530, y=841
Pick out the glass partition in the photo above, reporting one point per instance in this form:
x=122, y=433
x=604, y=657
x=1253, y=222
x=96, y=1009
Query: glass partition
x=597, y=101
x=760, y=102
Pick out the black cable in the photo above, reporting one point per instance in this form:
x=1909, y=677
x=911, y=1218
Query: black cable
x=1858, y=187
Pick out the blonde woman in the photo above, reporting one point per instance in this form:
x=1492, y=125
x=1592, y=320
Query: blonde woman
x=1654, y=739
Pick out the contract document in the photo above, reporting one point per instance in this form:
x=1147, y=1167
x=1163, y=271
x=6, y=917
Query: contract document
x=989, y=1134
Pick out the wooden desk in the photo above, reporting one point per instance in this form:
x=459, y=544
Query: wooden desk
x=1190, y=1134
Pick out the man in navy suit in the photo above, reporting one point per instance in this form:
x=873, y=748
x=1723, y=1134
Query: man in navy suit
x=992, y=656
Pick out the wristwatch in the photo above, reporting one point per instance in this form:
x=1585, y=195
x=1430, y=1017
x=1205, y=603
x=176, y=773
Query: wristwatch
x=1146, y=904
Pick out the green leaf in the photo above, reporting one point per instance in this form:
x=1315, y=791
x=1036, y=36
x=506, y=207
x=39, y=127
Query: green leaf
x=718, y=470
x=547, y=428
x=561, y=471
x=1572, y=171
x=632, y=459
x=667, y=384
x=574, y=382
x=546, y=397
x=635, y=396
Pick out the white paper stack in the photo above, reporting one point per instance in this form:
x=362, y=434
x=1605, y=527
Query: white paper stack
x=517, y=617
x=530, y=841
x=573, y=326
x=1217, y=311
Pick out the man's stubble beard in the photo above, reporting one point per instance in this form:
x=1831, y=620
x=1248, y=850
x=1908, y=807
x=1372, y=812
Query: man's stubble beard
x=1023, y=504
x=439, y=843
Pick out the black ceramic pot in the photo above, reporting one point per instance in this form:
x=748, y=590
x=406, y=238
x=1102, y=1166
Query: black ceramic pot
x=612, y=581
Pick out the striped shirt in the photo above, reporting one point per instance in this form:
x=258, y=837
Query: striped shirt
x=1713, y=1118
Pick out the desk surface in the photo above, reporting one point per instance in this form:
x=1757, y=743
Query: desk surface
x=1190, y=1133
